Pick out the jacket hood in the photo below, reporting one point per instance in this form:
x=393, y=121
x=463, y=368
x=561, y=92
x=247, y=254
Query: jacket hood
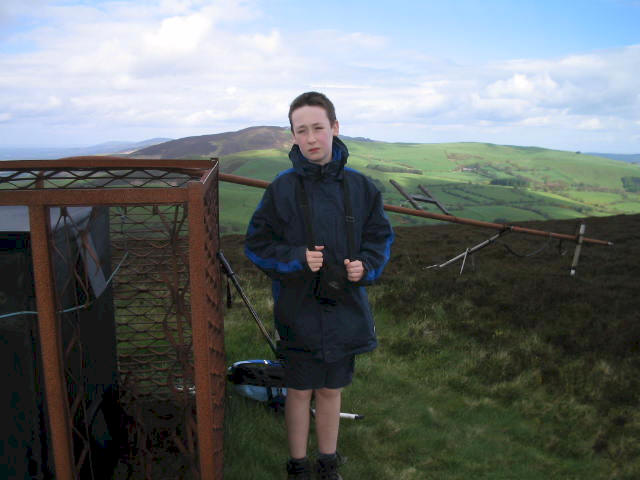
x=334, y=168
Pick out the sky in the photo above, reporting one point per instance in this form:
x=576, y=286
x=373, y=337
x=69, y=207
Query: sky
x=557, y=74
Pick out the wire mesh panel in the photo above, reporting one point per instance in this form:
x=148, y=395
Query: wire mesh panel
x=159, y=276
x=152, y=298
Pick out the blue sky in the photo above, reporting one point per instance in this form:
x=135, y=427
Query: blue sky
x=561, y=74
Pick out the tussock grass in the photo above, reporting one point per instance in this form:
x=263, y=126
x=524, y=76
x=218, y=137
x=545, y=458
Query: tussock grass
x=511, y=370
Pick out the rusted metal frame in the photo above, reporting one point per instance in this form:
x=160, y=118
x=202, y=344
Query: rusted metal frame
x=215, y=319
x=251, y=182
x=111, y=162
x=63, y=176
x=50, y=344
x=74, y=346
x=85, y=196
x=199, y=329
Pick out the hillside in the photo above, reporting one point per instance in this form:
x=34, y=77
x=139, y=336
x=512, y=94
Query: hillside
x=220, y=144
x=473, y=180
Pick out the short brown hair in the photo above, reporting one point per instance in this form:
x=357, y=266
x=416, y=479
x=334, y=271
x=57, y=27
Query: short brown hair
x=313, y=99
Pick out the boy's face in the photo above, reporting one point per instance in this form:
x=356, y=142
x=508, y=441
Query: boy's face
x=313, y=133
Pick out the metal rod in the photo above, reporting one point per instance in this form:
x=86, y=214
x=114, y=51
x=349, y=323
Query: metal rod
x=251, y=182
x=85, y=196
x=50, y=344
x=232, y=276
x=576, y=253
x=405, y=194
x=424, y=190
x=471, y=250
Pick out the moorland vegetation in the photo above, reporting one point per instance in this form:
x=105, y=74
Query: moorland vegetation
x=510, y=369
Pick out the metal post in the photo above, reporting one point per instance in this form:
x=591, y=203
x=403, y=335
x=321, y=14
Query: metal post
x=576, y=253
x=202, y=368
x=50, y=343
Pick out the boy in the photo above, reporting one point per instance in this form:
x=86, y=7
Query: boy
x=319, y=336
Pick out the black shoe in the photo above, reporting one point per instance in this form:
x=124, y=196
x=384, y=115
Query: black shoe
x=327, y=468
x=299, y=469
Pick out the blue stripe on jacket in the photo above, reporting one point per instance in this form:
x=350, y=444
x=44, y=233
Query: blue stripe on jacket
x=272, y=263
x=374, y=274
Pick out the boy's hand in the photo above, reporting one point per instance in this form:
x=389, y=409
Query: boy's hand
x=314, y=258
x=355, y=270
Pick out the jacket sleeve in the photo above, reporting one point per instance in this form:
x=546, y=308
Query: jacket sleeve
x=375, y=246
x=266, y=246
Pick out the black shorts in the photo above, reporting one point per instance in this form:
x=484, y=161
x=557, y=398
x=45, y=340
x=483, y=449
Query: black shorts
x=311, y=374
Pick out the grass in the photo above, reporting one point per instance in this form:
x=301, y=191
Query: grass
x=560, y=184
x=513, y=369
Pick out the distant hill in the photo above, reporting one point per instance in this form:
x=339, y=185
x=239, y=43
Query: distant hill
x=227, y=143
x=630, y=158
x=48, y=153
x=125, y=147
x=220, y=144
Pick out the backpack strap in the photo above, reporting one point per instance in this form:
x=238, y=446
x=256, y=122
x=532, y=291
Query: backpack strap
x=350, y=220
x=303, y=200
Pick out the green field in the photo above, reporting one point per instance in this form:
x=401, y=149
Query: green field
x=553, y=184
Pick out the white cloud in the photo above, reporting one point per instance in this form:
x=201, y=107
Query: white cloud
x=192, y=66
x=523, y=85
x=590, y=124
x=178, y=35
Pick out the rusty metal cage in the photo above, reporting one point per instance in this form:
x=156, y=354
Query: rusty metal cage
x=163, y=283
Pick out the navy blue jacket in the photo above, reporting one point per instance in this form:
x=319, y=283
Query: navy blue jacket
x=276, y=242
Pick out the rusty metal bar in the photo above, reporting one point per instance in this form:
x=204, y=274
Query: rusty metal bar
x=251, y=182
x=202, y=368
x=114, y=196
x=50, y=343
x=215, y=324
x=92, y=162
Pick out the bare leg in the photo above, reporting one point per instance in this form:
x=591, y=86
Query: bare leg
x=328, y=418
x=296, y=412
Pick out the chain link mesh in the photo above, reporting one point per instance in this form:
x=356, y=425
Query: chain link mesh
x=153, y=316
